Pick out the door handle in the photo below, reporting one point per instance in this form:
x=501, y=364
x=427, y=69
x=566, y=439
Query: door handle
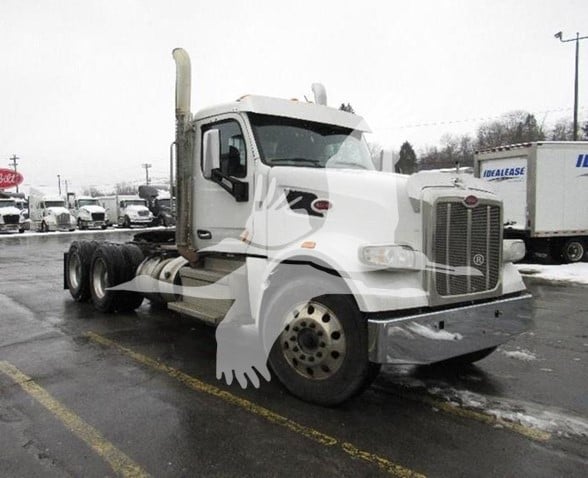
x=202, y=234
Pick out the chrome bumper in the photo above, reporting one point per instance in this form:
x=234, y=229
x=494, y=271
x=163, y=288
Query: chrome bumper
x=441, y=335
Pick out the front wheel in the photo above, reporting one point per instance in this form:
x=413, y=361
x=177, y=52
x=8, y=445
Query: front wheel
x=321, y=355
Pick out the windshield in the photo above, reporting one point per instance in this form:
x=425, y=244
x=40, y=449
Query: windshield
x=293, y=142
x=7, y=203
x=134, y=202
x=88, y=202
x=54, y=204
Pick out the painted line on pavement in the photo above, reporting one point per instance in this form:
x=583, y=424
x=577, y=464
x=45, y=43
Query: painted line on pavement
x=384, y=464
x=120, y=463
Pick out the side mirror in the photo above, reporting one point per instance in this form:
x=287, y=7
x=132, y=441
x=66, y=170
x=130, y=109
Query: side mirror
x=211, y=151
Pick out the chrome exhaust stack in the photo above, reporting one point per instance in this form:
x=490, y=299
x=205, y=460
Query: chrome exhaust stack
x=184, y=144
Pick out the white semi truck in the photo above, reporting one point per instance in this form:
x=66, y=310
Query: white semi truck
x=11, y=219
x=50, y=214
x=87, y=211
x=126, y=210
x=306, y=258
x=544, y=186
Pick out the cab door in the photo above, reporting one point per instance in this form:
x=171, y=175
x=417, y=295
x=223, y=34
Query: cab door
x=223, y=203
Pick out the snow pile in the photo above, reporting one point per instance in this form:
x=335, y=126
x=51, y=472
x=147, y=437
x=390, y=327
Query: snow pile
x=573, y=273
x=524, y=355
x=526, y=414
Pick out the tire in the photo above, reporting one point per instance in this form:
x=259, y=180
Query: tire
x=21, y=231
x=128, y=300
x=107, y=270
x=572, y=250
x=44, y=227
x=127, y=222
x=322, y=354
x=104, y=226
x=81, y=225
x=466, y=359
x=78, y=269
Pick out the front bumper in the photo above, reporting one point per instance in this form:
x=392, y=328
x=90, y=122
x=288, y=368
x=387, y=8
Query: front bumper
x=9, y=227
x=444, y=334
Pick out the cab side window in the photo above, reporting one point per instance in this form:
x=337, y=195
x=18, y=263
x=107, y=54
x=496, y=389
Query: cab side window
x=233, y=151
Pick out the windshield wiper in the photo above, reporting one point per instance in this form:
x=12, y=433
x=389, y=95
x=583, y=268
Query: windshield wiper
x=346, y=163
x=314, y=162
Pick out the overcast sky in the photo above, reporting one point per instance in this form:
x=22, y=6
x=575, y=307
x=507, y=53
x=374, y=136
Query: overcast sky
x=87, y=87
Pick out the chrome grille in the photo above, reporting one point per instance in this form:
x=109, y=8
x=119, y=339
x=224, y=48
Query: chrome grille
x=467, y=243
x=63, y=219
x=11, y=219
x=143, y=213
x=97, y=216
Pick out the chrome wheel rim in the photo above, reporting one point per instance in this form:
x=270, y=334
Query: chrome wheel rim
x=75, y=271
x=313, y=341
x=99, y=278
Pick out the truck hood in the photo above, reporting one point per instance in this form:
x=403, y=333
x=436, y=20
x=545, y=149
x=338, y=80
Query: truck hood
x=368, y=205
x=136, y=208
x=419, y=182
x=11, y=210
x=56, y=211
x=92, y=208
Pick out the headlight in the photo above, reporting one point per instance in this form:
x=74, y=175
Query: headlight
x=513, y=250
x=391, y=257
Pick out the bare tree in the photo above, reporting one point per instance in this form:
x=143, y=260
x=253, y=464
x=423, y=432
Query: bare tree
x=126, y=188
x=92, y=191
x=512, y=128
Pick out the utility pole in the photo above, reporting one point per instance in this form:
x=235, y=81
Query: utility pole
x=577, y=40
x=146, y=166
x=14, y=164
x=59, y=183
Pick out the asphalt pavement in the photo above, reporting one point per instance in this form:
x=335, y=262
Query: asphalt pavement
x=88, y=394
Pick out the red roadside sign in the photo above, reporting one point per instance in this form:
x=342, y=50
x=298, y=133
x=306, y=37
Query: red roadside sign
x=9, y=178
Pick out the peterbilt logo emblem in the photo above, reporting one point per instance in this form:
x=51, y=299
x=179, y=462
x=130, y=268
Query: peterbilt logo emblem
x=478, y=259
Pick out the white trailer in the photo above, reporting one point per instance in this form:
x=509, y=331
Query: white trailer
x=126, y=210
x=544, y=186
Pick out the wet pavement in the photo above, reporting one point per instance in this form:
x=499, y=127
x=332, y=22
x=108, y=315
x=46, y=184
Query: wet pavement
x=88, y=394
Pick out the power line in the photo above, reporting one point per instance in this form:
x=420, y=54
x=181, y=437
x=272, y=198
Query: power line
x=467, y=120
x=14, y=159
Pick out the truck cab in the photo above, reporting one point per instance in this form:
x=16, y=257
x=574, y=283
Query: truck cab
x=309, y=261
x=50, y=214
x=10, y=217
x=88, y=212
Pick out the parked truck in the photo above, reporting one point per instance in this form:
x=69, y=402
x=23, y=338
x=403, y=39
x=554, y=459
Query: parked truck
x=330, y=267
x=126, y=210
x=11, y=219
x=87, y=211
x=49, y=213
x=159, y=203
x=544, y=186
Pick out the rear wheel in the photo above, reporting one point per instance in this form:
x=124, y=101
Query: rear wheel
x=569, y=250
x=79, y=260
x=321, y=355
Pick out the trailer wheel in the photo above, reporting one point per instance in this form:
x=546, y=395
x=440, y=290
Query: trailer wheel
x=78, y=269
x=571, y=250
x=106, y=271
x=321, y=356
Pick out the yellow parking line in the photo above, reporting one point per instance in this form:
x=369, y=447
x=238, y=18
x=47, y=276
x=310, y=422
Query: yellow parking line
x=451, y=409
x=120, y=463
x=326, y=440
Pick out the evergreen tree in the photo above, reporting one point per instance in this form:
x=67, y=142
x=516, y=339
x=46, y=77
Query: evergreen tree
x=407, y=161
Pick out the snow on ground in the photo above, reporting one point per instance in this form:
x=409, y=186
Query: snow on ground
x=574, y=273
x=524, y=355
